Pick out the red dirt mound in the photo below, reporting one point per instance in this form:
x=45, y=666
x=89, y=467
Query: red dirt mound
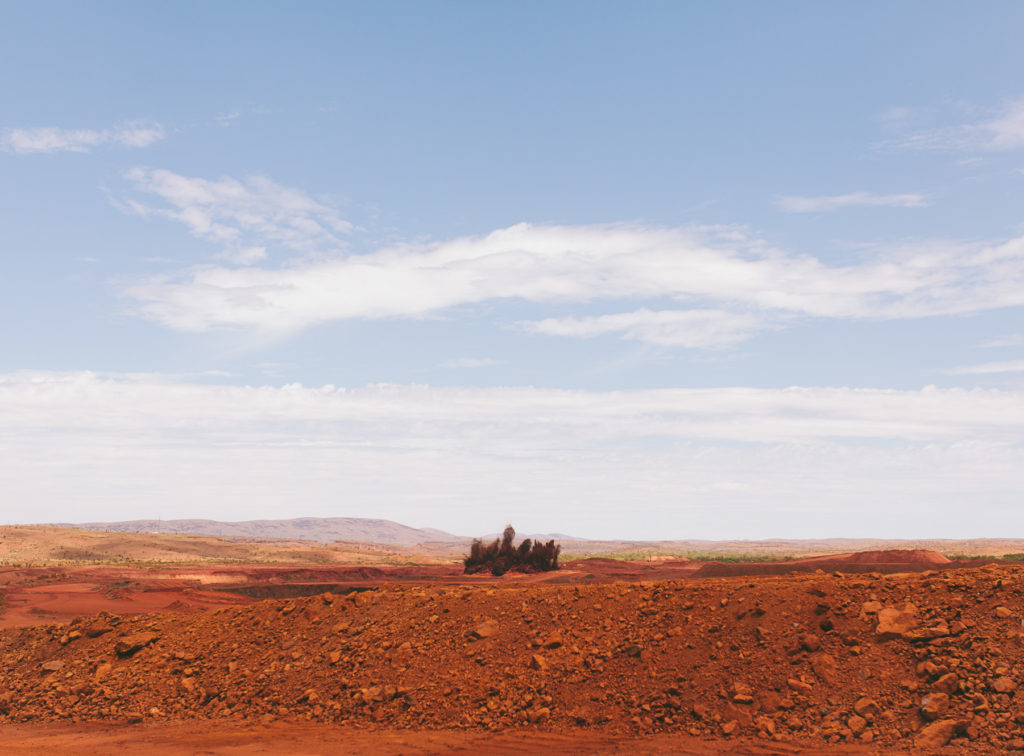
x=887, y=561
x=892, y=556
x=886, y=662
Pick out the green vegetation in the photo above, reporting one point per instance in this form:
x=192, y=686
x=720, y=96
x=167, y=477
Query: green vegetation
x=1014, y=557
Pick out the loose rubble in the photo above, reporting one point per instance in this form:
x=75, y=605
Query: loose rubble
x=926, y=660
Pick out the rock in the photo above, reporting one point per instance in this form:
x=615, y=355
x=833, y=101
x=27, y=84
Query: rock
x=933, y=706
x=741, y=689
x=935, y=735
x=538, y=715
x=870, y=609
x=799, y=686
x=132, y=644
x=867, y=708
x=741, y=714
x=948, y=683
x=940, y=630
x=486, y=629
x=364, y=598
x=809, y=642
x=54, y=665
x=895, y=623
x=770, y=701
x=553, y=641
x=1004, y=685
x=824, y=666
x=931, y=670
x=539, y=662
x=857, y=724
x=730, y=727
x=1003, y=613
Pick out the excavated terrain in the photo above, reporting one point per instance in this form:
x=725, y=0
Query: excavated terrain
x=876, y=663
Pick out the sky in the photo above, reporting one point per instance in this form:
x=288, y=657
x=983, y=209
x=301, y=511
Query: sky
x=617, y=270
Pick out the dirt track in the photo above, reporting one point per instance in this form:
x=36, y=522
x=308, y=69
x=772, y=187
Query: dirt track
x=806, y=660
x=165, y=739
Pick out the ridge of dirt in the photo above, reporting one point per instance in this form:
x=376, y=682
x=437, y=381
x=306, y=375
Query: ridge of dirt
x=885, y=662
x=886, y=556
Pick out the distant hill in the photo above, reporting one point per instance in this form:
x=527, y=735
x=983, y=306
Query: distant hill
x=321, y=529
x=430, y=540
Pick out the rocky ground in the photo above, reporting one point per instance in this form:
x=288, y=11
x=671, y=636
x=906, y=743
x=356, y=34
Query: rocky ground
x=921, y=660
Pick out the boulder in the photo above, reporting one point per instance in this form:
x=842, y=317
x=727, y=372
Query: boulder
x=129, y=645
x=485, y=629
x=935, y=735
x=896, y=623
x=1004, y=685
x=933, y=706
x=867, y=708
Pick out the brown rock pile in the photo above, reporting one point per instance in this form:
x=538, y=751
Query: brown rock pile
x=921, y=659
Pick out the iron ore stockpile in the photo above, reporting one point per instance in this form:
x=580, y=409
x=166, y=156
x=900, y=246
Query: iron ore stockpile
x=921, y=660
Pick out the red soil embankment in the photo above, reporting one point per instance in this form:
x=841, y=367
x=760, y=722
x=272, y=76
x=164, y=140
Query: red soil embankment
x=809, y=660
x=894, y=560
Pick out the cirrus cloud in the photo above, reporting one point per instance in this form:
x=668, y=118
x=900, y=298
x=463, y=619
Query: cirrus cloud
x=579, y=264
x=853, y=199
x=53, y=139
x=696, y=329
x=241, y=215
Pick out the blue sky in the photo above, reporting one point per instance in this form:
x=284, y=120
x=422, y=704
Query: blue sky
x=639, y=270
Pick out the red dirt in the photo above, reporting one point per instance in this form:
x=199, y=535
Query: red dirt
x=32, y=596
x=786, y=664
x=226, y=737
x=894, y=560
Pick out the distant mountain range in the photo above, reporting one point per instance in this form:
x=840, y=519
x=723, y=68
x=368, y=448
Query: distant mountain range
x=388, y=533
x=322, y=529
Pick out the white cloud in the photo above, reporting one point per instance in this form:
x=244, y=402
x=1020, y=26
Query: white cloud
x=549, y=264
x=470, y=362
x=1001, y=130
x=1013, y=340
x=244, y=255
x=225, y=119
x=696, y=329
x=988, y=368
x=52, y=139
x=853, y=199
x=242, y=216
x=735, y=462
x=1006, y=132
